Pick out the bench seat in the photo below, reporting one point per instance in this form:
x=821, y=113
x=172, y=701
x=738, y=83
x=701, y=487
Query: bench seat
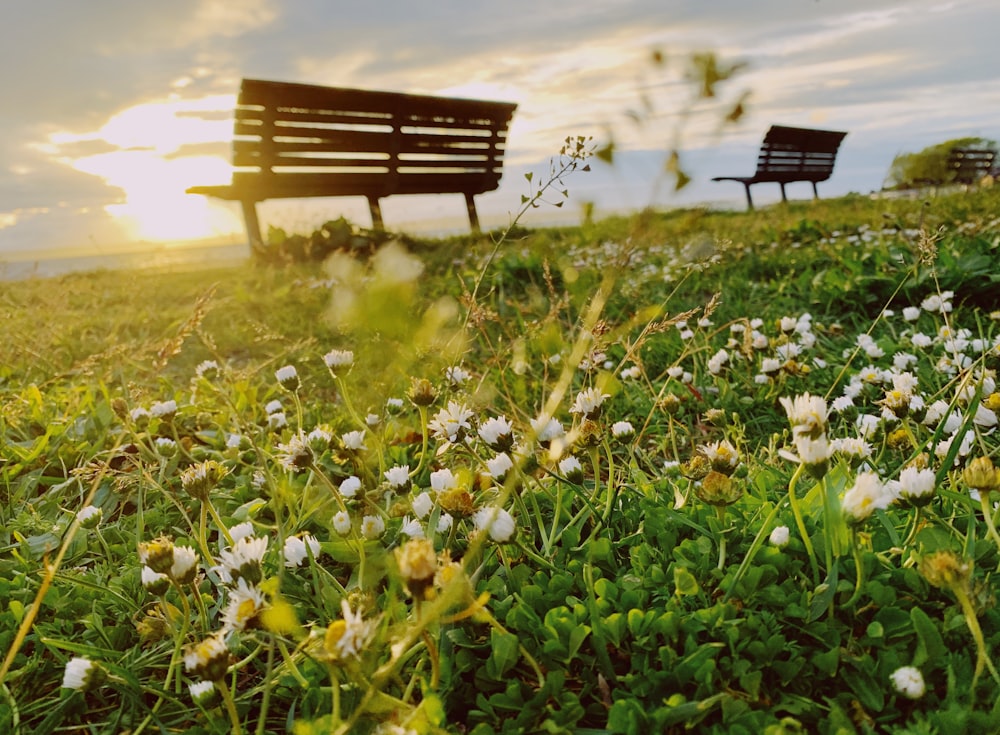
x=294, y=141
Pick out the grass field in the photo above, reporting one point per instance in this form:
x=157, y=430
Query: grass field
x=688, y=471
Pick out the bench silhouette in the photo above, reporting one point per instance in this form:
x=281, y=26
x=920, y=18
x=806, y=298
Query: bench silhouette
x=969, y=165
x=792, y=154
x=966, y=166
x=301, y=140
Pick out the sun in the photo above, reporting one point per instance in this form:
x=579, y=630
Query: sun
x=156, y=207
x=148, y=163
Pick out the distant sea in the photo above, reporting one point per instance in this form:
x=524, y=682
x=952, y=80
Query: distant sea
x=157, y=257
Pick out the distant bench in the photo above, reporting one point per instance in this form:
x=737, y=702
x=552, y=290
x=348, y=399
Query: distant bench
x=964, y=165
x=969, y=165
x=301, y=140
x=792, y=154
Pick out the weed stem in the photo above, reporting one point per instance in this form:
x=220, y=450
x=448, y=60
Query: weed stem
x=793, y=502
x=982, y=657
x=858, y=570
x=984, y=499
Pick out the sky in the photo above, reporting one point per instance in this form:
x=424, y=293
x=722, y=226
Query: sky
x=112, y=108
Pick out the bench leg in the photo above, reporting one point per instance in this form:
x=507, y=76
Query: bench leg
x=252, y=225
x=470, y=205
x=749, y=198
x=376, y=210
x=815, y=192
x=783, y=197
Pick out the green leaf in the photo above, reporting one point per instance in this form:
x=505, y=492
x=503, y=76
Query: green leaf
x=930, y=645
x=691, y=713
x=614, y=627
x=503, y=653
x=16, y=608
x=827, y=662
x=636, y=621
x=576, y=638
x=823, y=595
x=685, y=583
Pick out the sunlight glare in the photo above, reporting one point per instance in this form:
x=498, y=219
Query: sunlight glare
x=149, y=165
x=156, y=206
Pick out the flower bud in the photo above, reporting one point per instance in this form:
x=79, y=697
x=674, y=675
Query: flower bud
x=398, y=478
x=417, y=565
x=157, y=554
x=498, y=433
x=945, y=569
x=697, y=468
x=495, y=521
x=155, y=583
x=499, y=466
x=140, y=417
x=622, y=431
x=119, y=407
x=457, y=500
x=372, y=527
x=422, y=392
x=719, y=489
x=164, y=410
x=288, y=378
x=342, y=523
x=207, y=369
x=298, y=548
x=200, y=479
x=571, y=469
x=591, y=434
x=780, y=536
x=980, y=474
x=670, y=404
x=908, y=681
x=207, y=659
x=339, y=362
x=82, y=674
x=185, y=565
x=319, y=440
x=90, y=517
x=898, y=402
x=203, y=693
x=165, y=447
x=899, y=440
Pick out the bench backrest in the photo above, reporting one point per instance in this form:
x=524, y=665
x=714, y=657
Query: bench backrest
x=798, y=154
x=304, y=140
x=970, y=165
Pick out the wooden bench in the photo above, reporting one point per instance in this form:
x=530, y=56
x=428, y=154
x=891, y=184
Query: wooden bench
x=969, y=165
x=792, y=154
x=301, y=140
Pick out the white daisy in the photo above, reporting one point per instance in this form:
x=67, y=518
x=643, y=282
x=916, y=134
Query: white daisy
x=297, y=548
x=497, y=522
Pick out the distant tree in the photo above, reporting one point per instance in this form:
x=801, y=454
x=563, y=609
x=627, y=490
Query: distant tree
x=910, y=170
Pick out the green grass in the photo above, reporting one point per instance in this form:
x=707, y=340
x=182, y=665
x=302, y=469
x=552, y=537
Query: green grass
x=638, y=589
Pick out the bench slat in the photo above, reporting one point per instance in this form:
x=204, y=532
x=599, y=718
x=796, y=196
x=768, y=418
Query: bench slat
x=300, y=186
x=292, y=158
x=294, y=96
x=970, y=165
x=346, y=142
